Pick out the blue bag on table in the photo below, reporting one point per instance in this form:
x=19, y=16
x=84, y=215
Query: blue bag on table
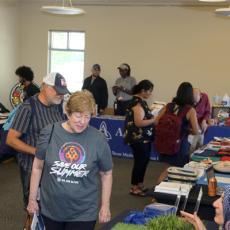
x=150, y=211
x=136, y=217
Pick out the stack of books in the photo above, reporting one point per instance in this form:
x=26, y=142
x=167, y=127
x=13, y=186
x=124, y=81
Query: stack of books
x=173, y=188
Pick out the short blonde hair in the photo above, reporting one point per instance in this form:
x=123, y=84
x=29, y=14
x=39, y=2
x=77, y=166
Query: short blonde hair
x=80, y=101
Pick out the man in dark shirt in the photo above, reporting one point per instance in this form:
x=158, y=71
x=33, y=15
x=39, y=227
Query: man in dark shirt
x=98, y=87
x=203, y=112
x=26, y=77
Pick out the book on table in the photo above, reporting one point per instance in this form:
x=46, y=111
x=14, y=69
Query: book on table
x=173, y=188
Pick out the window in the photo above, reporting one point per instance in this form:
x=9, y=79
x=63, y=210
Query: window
x=66, y=56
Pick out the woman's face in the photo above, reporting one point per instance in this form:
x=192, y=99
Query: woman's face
x=218, y=205
x=21, y=80
x=147, y=93
x=78, y=122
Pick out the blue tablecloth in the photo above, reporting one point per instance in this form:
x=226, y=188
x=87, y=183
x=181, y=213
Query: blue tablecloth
x=216, y=131
x=113, y=129
x=203, y=179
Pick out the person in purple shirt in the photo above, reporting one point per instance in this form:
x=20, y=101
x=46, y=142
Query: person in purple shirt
x=203, y=111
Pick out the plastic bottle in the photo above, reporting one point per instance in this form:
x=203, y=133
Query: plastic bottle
x=216, y=100
x=225, y=100
x=212, y=184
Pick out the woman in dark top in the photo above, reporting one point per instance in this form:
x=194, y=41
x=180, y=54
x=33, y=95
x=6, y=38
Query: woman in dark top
x=138, y=134
x=26, y=77
x=183, y=101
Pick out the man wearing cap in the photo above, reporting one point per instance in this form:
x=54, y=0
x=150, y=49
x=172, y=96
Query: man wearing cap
x=34, y=114
x=98, y=87
x=123, y=89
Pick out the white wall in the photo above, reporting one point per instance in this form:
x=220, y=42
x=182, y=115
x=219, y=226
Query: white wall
x=8, y=48
x=167, y=45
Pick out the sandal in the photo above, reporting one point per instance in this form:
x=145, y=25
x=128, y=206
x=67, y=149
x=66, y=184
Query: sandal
x=137, y=192
x=143, y=188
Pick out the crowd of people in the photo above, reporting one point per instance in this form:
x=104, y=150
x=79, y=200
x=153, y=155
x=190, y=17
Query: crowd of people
x=61, y=155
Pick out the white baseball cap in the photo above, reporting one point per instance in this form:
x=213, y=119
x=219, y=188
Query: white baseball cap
x=57, y=81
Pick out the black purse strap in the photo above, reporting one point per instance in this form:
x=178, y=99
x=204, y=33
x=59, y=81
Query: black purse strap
x=51, y=133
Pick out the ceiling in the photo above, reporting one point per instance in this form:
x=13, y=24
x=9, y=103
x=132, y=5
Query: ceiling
x=132, y=2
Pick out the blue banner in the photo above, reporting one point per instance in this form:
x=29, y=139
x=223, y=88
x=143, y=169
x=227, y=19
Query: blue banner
x=113, y=129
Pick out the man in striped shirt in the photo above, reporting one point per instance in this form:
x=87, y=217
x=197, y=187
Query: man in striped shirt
x=34, y=114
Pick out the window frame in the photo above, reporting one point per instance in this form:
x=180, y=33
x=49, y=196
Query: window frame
x=50, y=49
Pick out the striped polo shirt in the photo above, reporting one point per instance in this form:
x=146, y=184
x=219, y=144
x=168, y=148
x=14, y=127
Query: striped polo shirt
x=29, y=121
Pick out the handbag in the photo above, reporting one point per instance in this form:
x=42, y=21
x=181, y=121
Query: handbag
x=28, y=222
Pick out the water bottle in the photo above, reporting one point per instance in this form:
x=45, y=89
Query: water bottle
x=216, y=100
x=225, y=100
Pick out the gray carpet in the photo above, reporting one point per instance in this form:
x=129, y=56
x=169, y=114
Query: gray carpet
x=11, y=211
